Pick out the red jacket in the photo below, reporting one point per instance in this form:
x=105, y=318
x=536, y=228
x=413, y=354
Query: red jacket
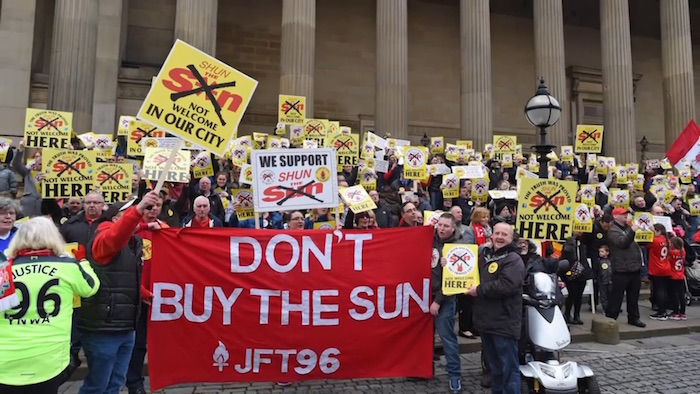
x=658, y=257
x=147, y=236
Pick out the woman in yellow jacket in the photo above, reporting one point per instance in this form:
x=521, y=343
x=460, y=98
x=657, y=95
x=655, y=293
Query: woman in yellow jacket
x=35, y=318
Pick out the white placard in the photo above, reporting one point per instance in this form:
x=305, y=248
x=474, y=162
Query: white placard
x=665, y=220
x=381, y=166
x=469, y=172
x=285, y=179
x=507, y=194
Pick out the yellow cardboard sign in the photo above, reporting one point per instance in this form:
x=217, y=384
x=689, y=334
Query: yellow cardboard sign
x=504, y=143
x=114, y=181
x=583, y=219
x=620, y=198
x=347, y=149
x=4, y=148
x=292, y=109
x=198, y=98
x=368, y=179
x=588, y=194
x=437, y=145
x=243, y=198
x=462, y=269
x=480, y=190
x=450, y=186
x=546, y=208
x=103, y=146
x=645, y=222
x=67, y=173
x=154, y=161
x=694, y=205
x=357, y=199
x=467, y=144
x=325, y=225
x=430, y=218
x=315, y=130
x=138, y=131
x=415, y=162
x=567, y=153
x=451, y=153
x=123, y=126
x=202, y=166
x=45, y=128
x=589, y=138
x=239, y=155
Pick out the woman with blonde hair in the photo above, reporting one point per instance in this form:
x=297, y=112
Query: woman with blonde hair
x=317, y=215
x=38, y=308
x=479, y=231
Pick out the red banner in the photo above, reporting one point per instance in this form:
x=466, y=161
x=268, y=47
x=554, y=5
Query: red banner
x=262, y=305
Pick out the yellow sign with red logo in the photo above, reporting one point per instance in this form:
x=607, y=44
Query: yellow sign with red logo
x=462, y=269
x=198, y=98
x=357, y=199
x=139, y=131
x=504, y=143
x=292, y=109
x=415, y=162
x=589, y=138
x=315, y=130
x=114, y=181
x=45, y=128
x=67, y=173
x=243, y=203
x=347, y=149
x=546, y=209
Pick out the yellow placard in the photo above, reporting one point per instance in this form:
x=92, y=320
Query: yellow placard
x=451, y=153
x=462, y=269
x=467, y=144
x=694, y=205
x=4, y=148
x=450, y=186
x=347, y=149
x=239, y=155
x=202, y=165
x=567, y=153
x=504, y=143
x=588, y=195
x=583, y=219
x=620, y=198
x=480, y=190
x=114, y=181
x=368, y=179
x=437, y=145
x=325, y=225
x=243, y=198
x=45, y=128
x=198, y=98
x=545, y=210
x=430, y=218
x=154, y=160
x=138, y=131
x=67, y=173
x=274, y=142
x=292, y=109
x=589, y=138
x=357, y=199
x=415, y=162
x=315, y=130
x=645, y=222
x=123, y=126
x=246, y=176
x=103, y=146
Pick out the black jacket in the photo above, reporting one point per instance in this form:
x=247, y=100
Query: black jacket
x=575, y=250
x=498, y=305
x=436, y=269
x=625, y=254
x=117, y=305
x=77, y=229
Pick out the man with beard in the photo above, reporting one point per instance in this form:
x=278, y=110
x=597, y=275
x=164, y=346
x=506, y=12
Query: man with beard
x=498, y=307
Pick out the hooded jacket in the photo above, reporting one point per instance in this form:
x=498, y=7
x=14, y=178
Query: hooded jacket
x=436, y=268
x=498, y=305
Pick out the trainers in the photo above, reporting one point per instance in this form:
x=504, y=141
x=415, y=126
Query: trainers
x=683, y=317
x=455, y=386
x=675, y=316
x=658, y=316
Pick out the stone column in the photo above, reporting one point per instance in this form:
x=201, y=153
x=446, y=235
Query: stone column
x=195, y=23
x=550, y=63
x=16, y=42
x=677, y=66
x=72, y=72
x=475, y=88
x=391, y=84
x=104, y=107
x=620, y=139
x=298, y=50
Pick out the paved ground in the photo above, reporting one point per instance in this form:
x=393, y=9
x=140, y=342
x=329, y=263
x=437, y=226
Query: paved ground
x=655, y=365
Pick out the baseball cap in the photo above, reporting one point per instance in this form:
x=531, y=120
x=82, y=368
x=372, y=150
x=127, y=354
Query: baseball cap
x=620, y=211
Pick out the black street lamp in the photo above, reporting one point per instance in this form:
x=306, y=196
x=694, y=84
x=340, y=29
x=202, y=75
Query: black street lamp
x=644, y=144
x=425, y=141
x=543, y=111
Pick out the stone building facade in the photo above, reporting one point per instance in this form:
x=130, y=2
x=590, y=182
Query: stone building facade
x=459, y=68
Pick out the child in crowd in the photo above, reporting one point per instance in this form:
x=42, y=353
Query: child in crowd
x=659, y=271
x=677, y=262
x=604, y=276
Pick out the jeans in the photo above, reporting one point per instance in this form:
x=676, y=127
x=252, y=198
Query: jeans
x=445, y=326
x=502, y=355
x=108, y=355
x=134, y=376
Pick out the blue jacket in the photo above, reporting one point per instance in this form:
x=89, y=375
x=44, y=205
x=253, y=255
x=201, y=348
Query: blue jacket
x=274, y=222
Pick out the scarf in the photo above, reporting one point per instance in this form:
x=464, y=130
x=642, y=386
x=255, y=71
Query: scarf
x=8, y=296
x=479, y=234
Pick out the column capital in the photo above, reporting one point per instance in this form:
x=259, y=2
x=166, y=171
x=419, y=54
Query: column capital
x=195, y=23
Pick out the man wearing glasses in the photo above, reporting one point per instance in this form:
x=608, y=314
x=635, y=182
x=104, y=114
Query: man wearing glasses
x=8, y=215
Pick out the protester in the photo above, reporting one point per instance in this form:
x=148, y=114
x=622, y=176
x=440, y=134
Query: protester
x=202, y=216
x=217, y=208
x=498, y=307
x=443, y=307
x=626, y=261
x=108, y=323
x=34, y=356
x=8, y=216
x=8, y=181
x=604, y=276
x=574, y=251
x=294, y=220
x=677, y=288
x=31, y=199
x=410, y=216
x=660, y=271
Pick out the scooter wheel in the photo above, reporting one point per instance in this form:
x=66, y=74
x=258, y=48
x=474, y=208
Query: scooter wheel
x=526, y=385
x=589, y=386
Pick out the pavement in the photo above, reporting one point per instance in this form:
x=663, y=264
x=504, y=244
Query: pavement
x=667, y=365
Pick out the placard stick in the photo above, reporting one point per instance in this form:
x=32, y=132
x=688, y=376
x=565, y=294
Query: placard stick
x=415, y=185
x=168, y=164
x=337, y=217
x=257, y=220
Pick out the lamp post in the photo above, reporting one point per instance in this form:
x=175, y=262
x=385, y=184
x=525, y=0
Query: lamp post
x=543, y=111
x=425, y=141
x=644, y=144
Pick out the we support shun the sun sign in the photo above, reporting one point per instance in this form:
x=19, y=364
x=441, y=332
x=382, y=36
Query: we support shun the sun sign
x=289, y=306
x=288, y=179
x=198, y=98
